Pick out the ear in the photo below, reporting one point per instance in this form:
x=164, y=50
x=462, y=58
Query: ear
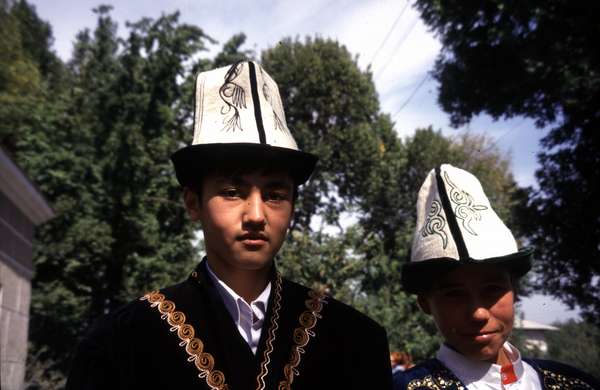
x=423, y=303
x=192, y=204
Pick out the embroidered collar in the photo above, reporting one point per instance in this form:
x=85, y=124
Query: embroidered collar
x=191, y=340
x=471, y=371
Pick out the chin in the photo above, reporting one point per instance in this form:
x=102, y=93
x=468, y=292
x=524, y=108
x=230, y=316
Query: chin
x=478, y=351
x=487, y=353
x=254, y=261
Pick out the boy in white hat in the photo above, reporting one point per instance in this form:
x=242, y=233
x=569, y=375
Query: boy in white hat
x=464, y=267
x=235, y=323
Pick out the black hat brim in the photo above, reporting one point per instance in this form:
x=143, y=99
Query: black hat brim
x=192, y=162
x=418, y=277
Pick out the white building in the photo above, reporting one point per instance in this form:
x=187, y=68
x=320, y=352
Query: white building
x=534, y=333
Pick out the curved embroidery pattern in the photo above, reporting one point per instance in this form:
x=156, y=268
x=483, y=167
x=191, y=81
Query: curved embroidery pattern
x=194, y=347
x=465, y=210
x=435, y=223
x=234, y=97
x=279, y=125
x=440, y=379
x=264, y=369
x=276, y=106
x=308, y=320
x=553, y=381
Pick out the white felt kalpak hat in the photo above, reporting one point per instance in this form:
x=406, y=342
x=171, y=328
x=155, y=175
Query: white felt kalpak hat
x=239, y=116
x=456, y=225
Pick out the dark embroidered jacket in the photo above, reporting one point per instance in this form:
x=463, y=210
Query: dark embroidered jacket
x=182, y=337
x=432, y=374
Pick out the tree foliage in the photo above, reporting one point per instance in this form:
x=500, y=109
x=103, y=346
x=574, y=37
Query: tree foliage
x=20, y=80
x=333, y=111
x=576, y=343
x=537, y=59
x=98, y=149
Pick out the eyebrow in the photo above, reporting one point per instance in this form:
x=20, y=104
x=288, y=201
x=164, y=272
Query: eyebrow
x=447, y=285
x=238, y=180
x=229, y=179
x=279, y=183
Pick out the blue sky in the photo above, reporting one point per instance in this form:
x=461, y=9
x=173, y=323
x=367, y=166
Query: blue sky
x=384, y=33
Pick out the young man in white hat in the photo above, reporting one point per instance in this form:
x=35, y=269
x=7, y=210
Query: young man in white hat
x=235, y=323
x=464, y=267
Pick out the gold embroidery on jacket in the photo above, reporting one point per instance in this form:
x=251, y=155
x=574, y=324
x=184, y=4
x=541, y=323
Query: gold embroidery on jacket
x=440, y=379
x=554, y=381
x=194, y=347
x=308, y=320
x=264, y=369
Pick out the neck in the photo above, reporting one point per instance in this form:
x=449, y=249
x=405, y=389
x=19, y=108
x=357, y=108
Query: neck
x=502, y=359
x=248, y=284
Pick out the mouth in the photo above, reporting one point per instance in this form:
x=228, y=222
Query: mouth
x=482, y=336
x=253, y=239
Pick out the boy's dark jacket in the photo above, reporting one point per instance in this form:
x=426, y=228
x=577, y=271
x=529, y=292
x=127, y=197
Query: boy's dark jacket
x=432, y=374
x=308, y=341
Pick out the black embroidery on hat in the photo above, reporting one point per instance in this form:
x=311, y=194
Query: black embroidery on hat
x=463, y=253
x=465, y=209
x=275, y=105
x=278, y=122
x=234, y=97
x=435, y=223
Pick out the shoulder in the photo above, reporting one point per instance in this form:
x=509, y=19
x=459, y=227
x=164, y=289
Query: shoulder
x=130, y=316
x=559, y=374
x=430, y=374
x=334, y=311
x=116, y=341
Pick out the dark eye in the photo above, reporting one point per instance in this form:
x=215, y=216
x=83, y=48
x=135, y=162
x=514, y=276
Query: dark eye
x=496, y=289
x=276, y=195
x=453, y=293
x=230, y=192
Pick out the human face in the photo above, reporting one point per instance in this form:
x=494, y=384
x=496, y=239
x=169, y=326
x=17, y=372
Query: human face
x=473, y=307
x=244, y=218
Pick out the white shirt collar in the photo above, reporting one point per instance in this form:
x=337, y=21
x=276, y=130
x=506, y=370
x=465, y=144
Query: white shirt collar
x=470, y=371
x=249, y=318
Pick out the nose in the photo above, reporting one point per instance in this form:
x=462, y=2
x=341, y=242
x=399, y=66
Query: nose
x=480, y=312
x=254, y=212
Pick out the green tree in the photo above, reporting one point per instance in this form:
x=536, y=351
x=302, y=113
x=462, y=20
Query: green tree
x=537, y=59
x=232, y=52
x=37, y=41
x=576, y=343
x=99, y=153
x=20, y=80
x=333, y=110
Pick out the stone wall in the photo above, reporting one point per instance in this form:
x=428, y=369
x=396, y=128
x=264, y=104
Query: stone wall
x=16, y=236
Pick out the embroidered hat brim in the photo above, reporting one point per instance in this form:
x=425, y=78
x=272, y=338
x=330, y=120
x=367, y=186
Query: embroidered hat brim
x=193, y=161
